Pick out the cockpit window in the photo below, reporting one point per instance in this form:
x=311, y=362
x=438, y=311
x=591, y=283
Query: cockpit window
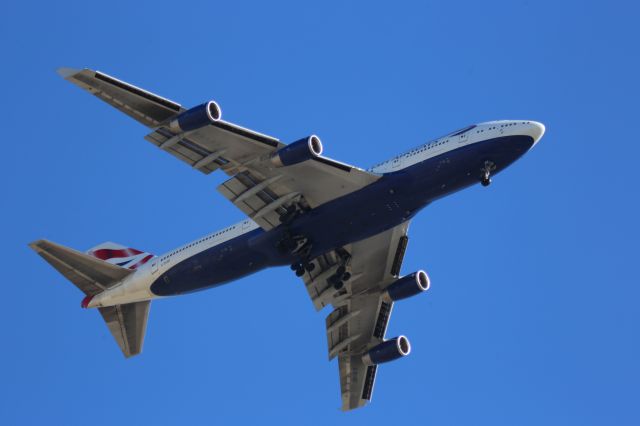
x=461, y=131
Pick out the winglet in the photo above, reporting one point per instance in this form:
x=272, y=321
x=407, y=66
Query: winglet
x=67, y=72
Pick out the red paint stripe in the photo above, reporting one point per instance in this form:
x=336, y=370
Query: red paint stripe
x=106, y=254
x=85, y=302
x=142, y=262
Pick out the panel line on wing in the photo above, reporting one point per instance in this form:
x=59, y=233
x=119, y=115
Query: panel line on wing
x=138, y=91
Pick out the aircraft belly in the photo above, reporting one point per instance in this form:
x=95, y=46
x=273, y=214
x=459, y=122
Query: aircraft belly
x=217, y=265
x=395, y=198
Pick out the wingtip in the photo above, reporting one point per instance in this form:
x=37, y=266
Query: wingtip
x=35, y=245
x=65, y=72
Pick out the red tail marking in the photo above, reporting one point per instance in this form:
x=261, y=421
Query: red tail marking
x=85, y=302
x=142, y=262
x=106, y=254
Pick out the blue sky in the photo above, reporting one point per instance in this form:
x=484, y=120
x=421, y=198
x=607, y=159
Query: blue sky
x=533, y=313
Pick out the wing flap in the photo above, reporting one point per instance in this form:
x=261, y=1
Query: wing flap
x=362, y=324
x=257, y=198
x=356, y=381
x=218, y=145
x=187, y=151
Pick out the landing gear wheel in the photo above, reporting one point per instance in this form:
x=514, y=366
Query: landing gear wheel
x=485, y=177
x=299, y=272
x=310, y=266
x=335, y=281
x=346, y=276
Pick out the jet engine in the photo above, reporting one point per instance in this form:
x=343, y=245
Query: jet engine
x=297, y=152
x=388, y=350
x=408, y=286
x=196, y=117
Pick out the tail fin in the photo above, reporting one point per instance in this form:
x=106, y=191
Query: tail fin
x=104, y=266
x=116, y=254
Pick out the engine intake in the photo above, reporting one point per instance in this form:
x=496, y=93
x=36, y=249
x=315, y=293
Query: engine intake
x=297, y=152
x=196, y=117
x=388, y=350
x=408, y=286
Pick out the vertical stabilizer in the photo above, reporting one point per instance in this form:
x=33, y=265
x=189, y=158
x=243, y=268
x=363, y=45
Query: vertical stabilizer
x=116, y=254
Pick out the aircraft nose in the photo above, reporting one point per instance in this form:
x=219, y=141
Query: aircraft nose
x=535, y=130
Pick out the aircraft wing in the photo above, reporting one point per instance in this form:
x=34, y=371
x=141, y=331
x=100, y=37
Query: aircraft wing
x=260, y=189
x=360, y=316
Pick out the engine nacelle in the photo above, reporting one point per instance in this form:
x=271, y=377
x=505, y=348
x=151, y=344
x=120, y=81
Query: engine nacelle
x=297, y=152
x=408, y=286
x=196, y=117
x=388, y=350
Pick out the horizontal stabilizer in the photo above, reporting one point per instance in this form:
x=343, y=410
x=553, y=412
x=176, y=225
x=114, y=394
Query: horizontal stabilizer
x=89, y=274
x=128, y=324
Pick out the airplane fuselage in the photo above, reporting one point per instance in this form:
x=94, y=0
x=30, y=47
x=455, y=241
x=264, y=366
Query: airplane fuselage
x=408, y=183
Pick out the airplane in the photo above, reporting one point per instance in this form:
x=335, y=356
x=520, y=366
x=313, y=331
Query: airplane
x=340, y=228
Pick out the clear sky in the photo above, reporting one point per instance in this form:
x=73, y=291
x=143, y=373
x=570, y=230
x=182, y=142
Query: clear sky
x=533, y=316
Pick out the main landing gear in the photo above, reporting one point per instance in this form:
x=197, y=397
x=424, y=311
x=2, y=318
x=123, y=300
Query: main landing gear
x=301, y=267
x=337, y=279
x=341, y=275
x=291, y=213
x=300, y=247
x=485, y=177
x=295, y=245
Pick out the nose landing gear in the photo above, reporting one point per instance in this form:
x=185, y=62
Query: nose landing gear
x=485, y=176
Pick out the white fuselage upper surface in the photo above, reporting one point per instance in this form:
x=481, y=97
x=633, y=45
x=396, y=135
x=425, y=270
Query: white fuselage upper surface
x=463, y=137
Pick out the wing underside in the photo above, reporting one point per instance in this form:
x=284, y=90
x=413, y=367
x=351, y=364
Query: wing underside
x=361, y=314
x=268, y=195
x=261, y=190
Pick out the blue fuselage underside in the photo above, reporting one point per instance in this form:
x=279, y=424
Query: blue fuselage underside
x=394, y=198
